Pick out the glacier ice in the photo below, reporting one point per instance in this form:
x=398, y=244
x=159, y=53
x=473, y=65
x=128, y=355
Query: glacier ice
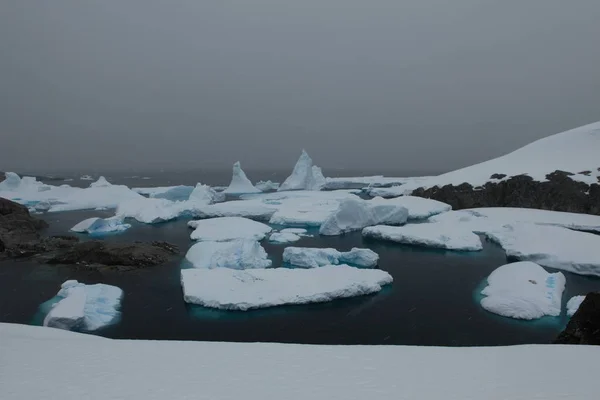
x=267, y=186
x=419, y=208
x=85, y=307
x=573, y=304
x=204, y=194
x=240, y=183
x=236, y=254
x=99, y=226
x=523, y=290
x=355, y=214
x=174, y=193
x=283, y=237
x=441, y=236
x=305, y=176
x=11, y=182
x=309, y=257
x=228, y=289
x=101, y=182
x=228, y=228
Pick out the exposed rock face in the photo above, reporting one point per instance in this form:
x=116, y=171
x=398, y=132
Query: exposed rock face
x=584, y=326
x=559, y=193
x=20, y=237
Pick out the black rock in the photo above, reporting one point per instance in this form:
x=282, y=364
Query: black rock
x=584, y=326
x=498, y=176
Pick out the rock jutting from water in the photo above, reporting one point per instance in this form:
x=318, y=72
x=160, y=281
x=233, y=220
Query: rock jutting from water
x=584, y=326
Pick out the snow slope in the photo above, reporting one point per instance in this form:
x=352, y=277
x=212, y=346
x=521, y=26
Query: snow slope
x=49, y=364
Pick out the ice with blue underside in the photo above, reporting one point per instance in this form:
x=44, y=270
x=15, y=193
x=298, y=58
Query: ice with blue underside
x=236, y=254
x=309, y=257
x=100, y=226
x=85, y=307
x=523, y=290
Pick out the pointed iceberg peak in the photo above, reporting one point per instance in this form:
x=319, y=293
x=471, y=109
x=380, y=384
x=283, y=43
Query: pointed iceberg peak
x=305, y=175
x=240, y=183
x=101, y=182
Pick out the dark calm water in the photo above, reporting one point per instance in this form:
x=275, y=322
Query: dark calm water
x=433, y=300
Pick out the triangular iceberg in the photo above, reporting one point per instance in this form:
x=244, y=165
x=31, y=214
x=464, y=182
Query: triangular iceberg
x=240, y=183
x=305, y=176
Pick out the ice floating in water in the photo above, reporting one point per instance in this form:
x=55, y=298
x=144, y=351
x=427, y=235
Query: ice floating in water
x=305, y=176
x=418, y=207
x=85, y=307
x=523, y=290
x=204, y=194
x=355, y=214
x=229, y=289
x=283, y=237
x=307, y=257
x=240, y=183
x=101, y=182
x=174, y=193
x=228, y=228
x=441, y=236
x=86, y=178
x=11, y=182
x=240, y=208
x=267, y=186
x=237, y=254
x=573, y=304
x=98, y=226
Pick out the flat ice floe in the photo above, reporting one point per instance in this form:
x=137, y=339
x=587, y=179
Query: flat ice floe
x=428, y=235
x=419, y=208
x=99, y=226
x=228, y=228
x=355, y=214
x=267, y=186
x=288, y=235
x=251, y=209
x=335, y=183
x=313, y=257
x=85, y=307
x=523, y=290
x=305, y=176
x=228, y=289
x=573, y=304
x=173, y=193
x=239, y=182
x=237, y=254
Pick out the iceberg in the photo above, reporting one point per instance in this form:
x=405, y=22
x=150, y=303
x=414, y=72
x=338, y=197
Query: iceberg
x=573, y=304
x=419, y=208
x=283, y=237
x=228, y=289
x=11, y=182
x=362, y=182
x=428, y=235
x=307, y=257
x=173, y=193
x=239, y=208
x=228, y=228
x=240, y=183
x=236, y=254
x=71, y=199
x=304, y=176
x=356, y=214
x=86, y=178
x=204, y=194
x=101, y=182
x=267, y=186
x=523, y=290
x=85, y=307
x=99, y=226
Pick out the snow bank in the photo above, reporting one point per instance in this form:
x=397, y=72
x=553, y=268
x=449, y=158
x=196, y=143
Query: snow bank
x=228, y=228
x=429, y=235
x=85, y=307
x=523, y=290
x=240, y=182
x=307, y=257
x=304, y=176
x=573, y=304
x=355, y=214
x=100, y=226
x=237, y=254
x=229, y=289
x=267, y=186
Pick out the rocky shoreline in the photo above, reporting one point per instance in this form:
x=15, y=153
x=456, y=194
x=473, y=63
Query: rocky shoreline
x=21, y=237
x=558, y=193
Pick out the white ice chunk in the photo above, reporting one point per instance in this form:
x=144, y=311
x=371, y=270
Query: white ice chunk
x=573, y=304
x=86, y=178
x=418, y=207
x=296, y=231
x=101, y=304
x=309, y=257
x=204, y=194
x=229, y=289
x=70, y=199
x=101, y=225
x=355, y=214
x=523, y=290
x=240, y=182
x=267, y=186
x=429, y=235
x=283, y=237
x=304, y=176
x=174, y=193
x=238, y=208
x=237, y=254
x=228, y=228
x=11, y=182
x=101, y=182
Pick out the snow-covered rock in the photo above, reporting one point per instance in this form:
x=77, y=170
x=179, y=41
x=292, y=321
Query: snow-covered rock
x=267, y=186
x=523, y=290
x=418, y=208
x=101, y=182
x=228, y=289
x=573, y=304
x=99, y=226
x=240, y=182
x=85, y=307
x=305, y=176
x=441, y=236
x=308, y=257
x=355, y=214
x=237, y=254
x=228, y=228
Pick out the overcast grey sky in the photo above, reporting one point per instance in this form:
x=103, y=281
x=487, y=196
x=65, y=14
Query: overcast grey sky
x=417, y=85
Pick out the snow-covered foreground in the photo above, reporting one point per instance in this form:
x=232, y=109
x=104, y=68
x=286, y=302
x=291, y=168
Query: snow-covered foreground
x=35, y=364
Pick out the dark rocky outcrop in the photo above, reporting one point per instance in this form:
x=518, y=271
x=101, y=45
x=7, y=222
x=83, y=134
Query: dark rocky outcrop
x=584, y=326
x=20, y=237
x=559, y=193
x=2, y=176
